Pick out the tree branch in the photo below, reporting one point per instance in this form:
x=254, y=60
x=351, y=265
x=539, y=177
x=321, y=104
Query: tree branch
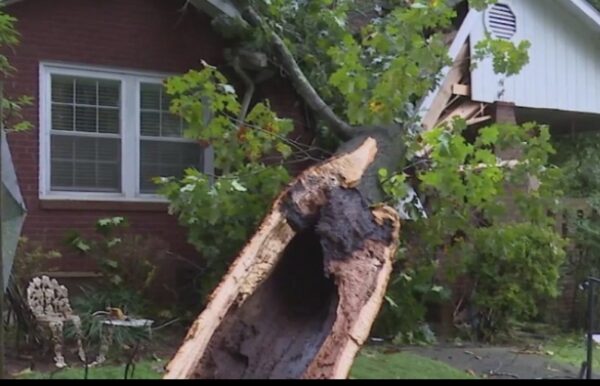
x=249, y=88
x=299, y=80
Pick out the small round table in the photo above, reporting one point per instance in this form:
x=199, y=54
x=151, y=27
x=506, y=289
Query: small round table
x=106, y=339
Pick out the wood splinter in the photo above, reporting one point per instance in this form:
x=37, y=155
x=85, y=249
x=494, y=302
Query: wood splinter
x=301, y=297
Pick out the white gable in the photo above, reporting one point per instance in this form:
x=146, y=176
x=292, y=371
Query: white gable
x=564, y=68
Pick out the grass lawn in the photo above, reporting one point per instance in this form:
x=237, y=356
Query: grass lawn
x=572, y=350
x=143, y=370
x=369, y=364
x=374, y=364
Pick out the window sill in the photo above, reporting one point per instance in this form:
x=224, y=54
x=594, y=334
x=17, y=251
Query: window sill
x=123, y=206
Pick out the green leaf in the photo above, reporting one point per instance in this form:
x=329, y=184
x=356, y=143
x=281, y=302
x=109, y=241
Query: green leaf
x=489, y=135
x=116, y=279
x=237, y=186
x=391, y=302
x=383, y=173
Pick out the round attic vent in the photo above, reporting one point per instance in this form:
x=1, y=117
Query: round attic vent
x=501, y=21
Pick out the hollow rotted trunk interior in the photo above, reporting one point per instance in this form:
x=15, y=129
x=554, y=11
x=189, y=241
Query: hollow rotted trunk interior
x=277, y=332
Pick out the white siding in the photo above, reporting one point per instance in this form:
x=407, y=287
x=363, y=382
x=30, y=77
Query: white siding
x=564, y=68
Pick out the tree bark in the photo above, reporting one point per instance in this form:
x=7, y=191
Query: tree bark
x=300, y=298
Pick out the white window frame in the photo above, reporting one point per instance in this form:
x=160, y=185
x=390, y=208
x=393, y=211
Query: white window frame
x=130, y=139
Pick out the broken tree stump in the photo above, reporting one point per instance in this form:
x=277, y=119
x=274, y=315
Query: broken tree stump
x=302, y=295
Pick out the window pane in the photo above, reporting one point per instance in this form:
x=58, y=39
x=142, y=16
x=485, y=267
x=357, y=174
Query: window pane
x=150, y=96
x=85, y=91
x=166, y=159
x=86, y=104
x=84, y=149
x=171, y=125
x=85, y=119
x=62, y=148
x=85, y=173
x=150, y=124
x=108, y=150
x=109, y=174
x=108, y=93
x=62, y=89
x=156, y=120
x=165, y=101
x=85, y=164
x=62, y=174
x=108, y=120
x=62, y=117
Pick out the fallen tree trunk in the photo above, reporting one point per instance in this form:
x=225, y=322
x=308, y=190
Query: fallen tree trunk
x=300, y=298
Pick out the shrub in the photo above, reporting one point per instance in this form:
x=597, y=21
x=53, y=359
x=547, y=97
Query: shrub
x=220, y=216
x=411, y=289
x=128, y=263
x=486, y=222
x=30, y=259
x=515, y=268
x=124, y=259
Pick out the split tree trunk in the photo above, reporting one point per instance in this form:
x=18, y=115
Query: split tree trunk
x=301, y=297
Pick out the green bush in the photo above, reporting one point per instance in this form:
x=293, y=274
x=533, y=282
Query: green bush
x=220, y=216
x=221, y=210
x=410, y=291
x=30, y=259
x=125, y=259
x=486, y=223
x=515, y=268
x=128, y=263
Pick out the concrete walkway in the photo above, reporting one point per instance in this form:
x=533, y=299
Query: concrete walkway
x=499, y=362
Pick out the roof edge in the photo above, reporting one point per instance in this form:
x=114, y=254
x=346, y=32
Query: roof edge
x=586, y=11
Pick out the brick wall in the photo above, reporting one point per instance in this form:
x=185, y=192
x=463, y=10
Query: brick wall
x=133, y=34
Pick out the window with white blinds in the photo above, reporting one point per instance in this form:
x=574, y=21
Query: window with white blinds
x=106, y=134
x=163, y=150
x=85, y=138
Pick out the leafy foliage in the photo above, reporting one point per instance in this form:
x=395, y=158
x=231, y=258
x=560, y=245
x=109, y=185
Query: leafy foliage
x=489, y=220
x=409, y=293
x=9, y=38
x=507, y=58
x=220, y=210
x=220, y=215
x=595, y=3
x=371, y=62
x=577, y=153
x=128, y=263
x=12, y=106
x=30, y=259
x=579, y=156
x=516, y=268
x=210, y=108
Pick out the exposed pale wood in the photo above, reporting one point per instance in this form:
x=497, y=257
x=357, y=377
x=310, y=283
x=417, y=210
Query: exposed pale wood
x=465, y=111
x=461, y=89
x=439, y=103
x=508, y=164
x=476, y=120
x=258, y=259
x=462, y=37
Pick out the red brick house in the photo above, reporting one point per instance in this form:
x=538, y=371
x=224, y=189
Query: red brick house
x=101, y=126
